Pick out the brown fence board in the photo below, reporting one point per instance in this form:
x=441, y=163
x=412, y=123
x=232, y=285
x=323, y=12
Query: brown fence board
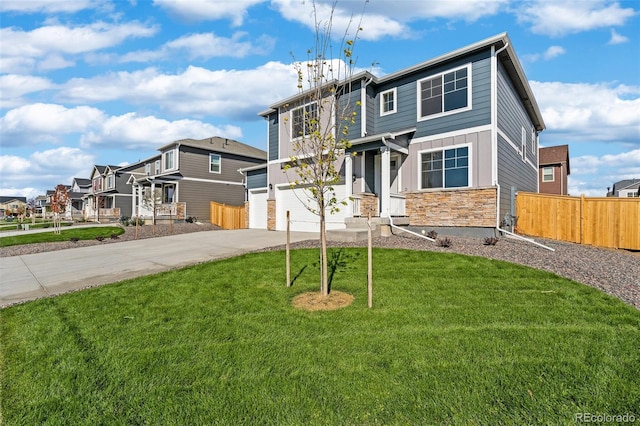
x=599, y=221
x=227, y=217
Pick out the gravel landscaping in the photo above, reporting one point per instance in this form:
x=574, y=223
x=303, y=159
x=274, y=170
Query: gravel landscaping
x=616, y=272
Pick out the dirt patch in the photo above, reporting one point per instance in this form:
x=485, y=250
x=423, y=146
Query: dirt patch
x=314, y=301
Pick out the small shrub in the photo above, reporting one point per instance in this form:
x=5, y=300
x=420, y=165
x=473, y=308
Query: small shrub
x=9, y=219
x=74, y=239
x=191, y=219
x=490, y=241
x=432, y=234
x=132, y=221
x=46, y=225
x=444, y=242
x=100, y=238
x=114, y=236
x=124, y=220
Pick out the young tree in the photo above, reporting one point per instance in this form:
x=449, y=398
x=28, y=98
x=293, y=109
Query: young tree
x=320, y=125
x=59, y=202
x=152, y=200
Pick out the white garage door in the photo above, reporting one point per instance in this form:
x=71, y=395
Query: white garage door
x=258, y=209
x=301, y=218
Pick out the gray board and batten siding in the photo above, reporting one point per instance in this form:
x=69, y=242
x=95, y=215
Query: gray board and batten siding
x=512, y=170
x=273, y=136
x=257, y=178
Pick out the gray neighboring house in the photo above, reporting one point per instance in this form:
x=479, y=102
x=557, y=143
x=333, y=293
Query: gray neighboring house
x=188, y=174
x=444, y=143
x=625, y=188
x=109, y=196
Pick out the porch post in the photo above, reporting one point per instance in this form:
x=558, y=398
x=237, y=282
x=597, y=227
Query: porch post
x=348, y=181
x=385, y=182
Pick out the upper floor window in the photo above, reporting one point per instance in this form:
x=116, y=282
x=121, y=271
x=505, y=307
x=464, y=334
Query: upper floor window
x=547, y=174
x=157, y=167
x=447, y=168
x=97, y=184
x=388, y=102
x=304, y=120
x=110, y=181
x=445, y=93
x=147, y=169
x=169, y=160
x=215, y=163
x=523, y=140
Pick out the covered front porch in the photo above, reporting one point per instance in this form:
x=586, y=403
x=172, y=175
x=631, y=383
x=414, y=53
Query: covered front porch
x=156, y=198
x=374, y=164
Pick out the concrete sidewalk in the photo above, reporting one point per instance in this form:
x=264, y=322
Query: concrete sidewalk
x=33, y=276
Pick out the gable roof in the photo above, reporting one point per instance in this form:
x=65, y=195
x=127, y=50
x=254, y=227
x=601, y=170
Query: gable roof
x=7, y=199
x=82, y=182
x=554, y=155
x=505, y=52
x=220, y=145
x=625, y=184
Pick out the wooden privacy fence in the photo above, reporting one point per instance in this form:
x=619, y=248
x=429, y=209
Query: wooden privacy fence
x=598, y=221
x=227, y=217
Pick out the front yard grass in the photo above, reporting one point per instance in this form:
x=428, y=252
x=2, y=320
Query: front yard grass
x=451, y=339
x=64, y=235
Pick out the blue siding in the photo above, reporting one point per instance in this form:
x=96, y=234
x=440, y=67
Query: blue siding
x=353, y=98
x=273, y=134
x=512, y=116
x=257, y=178
x=406, y=115
x=371, y=110
x=512, y=171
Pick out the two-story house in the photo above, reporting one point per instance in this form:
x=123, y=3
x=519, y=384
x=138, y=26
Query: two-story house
x=110, y=196
x=10, y=206
x=188, y=174
x=444, y=143
x=554, y=169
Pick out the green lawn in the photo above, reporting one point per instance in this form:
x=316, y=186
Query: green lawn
x=64, y=235
x=451, y=339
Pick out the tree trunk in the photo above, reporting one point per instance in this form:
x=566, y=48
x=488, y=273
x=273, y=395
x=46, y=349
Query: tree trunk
x=323, y=256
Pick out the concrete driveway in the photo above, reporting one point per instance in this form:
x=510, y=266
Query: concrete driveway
x=33, y=276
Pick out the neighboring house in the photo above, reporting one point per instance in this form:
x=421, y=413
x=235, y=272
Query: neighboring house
x=625, y=188
x=553, y=164
x=40, y=204
x=79, y=187
x=12, y=205
x=444, y=143
x=110, y=195
x=189, y=174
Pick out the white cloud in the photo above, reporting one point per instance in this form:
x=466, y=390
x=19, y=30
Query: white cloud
x=550, y=53
x=590, y=112
x=222, y=93
x=30, y=124
x=13, y=87
x=208, y=10
x=572, y=16
x=46, y=6
x=49, y=43
x=43, y=170
x=205, y=46
x=591, y=175
x=54, y=62
x=133, y=131
x=617, y=38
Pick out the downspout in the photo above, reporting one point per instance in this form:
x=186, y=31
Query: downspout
x=363, y=103
x=494, y=143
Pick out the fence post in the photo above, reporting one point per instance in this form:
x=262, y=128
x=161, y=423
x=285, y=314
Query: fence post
x=582, y=219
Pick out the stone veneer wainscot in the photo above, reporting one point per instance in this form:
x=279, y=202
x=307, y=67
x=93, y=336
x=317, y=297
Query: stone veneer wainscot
x=474, y=207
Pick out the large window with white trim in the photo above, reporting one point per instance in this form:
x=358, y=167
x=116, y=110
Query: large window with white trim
x=447, y=168
x=444, y=93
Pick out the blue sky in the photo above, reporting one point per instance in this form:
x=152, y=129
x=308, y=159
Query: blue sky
x=86, y=82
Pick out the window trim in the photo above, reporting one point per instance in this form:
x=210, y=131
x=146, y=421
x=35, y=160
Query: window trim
x=164, y=160
x=211, y=155
x=523, y=147
x=156, y=166
x=147, y=169
x=553, y=174
x=304, y=126
x=393, y=91
x=442, y=149
x=441, y=75
x=111, y=181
